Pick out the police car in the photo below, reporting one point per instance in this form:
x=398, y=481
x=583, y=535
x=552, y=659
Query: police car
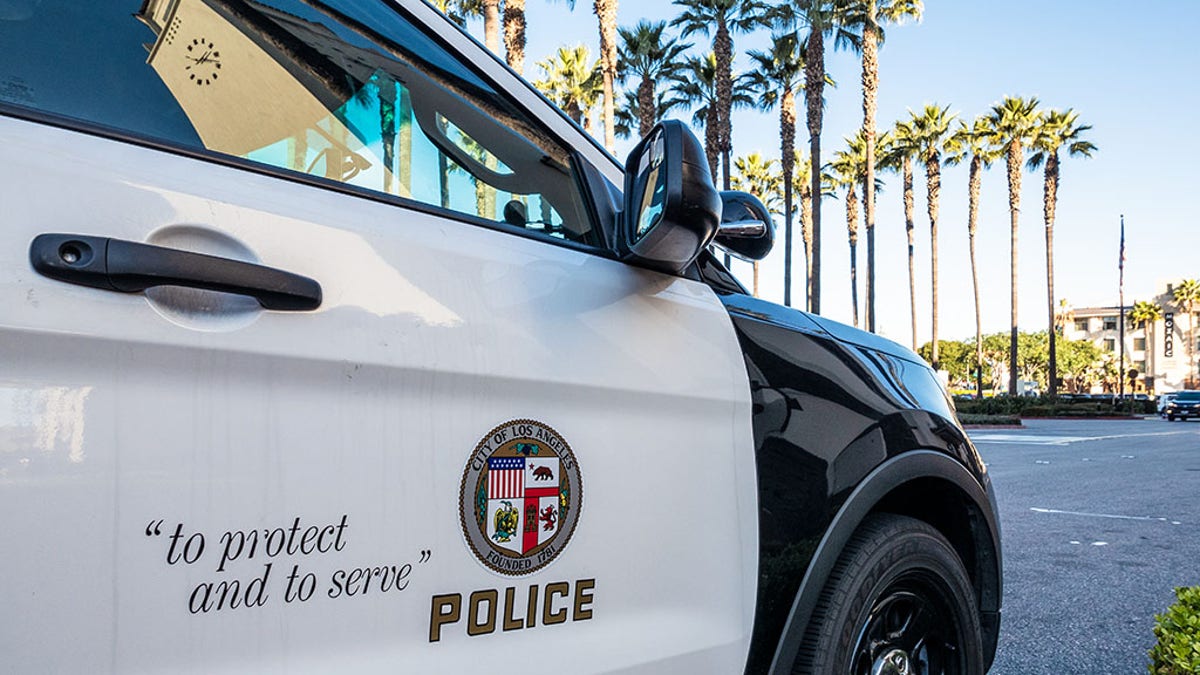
x=328, y=345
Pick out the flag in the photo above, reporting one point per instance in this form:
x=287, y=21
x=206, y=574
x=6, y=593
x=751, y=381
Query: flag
x=1121, y=263
x=506, y=477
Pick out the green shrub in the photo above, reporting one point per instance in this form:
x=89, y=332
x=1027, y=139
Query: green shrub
x=1178, y=633
x=971, y=418
x=1044, y=406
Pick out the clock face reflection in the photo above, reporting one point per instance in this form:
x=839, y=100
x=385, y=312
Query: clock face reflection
x=203, y=62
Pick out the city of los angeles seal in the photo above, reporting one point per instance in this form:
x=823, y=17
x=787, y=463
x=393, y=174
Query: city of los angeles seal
x=520, y=497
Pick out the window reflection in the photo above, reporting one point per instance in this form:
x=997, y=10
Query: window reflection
x=347, y=91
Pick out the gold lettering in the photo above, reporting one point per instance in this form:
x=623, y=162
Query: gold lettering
x=551, y=617
x=509, y=600
x=474, y=627
x=583, y=601
x=445, y=609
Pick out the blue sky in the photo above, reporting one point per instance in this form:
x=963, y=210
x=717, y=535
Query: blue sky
x=1131, y=74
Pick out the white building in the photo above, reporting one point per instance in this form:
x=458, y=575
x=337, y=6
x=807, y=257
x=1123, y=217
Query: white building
x=1159, y=352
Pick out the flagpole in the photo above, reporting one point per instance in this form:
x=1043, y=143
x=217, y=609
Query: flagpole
x=1121, y=312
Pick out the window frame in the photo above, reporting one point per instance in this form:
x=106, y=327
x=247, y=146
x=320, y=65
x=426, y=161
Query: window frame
x=604, y=230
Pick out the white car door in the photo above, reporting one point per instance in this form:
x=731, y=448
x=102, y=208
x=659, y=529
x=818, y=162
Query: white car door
x=491, y=442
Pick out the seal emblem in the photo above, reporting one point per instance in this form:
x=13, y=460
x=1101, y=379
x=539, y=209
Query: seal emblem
x=520, y=497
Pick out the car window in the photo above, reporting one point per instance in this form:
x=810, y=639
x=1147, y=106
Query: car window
x=349, y=91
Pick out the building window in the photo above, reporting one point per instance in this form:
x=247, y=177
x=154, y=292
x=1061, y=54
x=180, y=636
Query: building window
x=1139, y=344
x=1110, y=344
x=1140, y=366
x=1110, y=323
x=1081, y=325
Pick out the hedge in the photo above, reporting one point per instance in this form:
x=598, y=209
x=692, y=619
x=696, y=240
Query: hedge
x=1178, y=631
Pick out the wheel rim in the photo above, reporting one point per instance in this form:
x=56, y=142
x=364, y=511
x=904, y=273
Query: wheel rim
x=910, y=630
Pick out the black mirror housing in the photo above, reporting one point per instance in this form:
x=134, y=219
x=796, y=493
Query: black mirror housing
x=747, y=229
x=672, y=210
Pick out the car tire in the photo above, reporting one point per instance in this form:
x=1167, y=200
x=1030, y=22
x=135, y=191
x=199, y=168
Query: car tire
x=898, y=601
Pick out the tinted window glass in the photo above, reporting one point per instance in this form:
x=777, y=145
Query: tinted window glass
x=348, y=90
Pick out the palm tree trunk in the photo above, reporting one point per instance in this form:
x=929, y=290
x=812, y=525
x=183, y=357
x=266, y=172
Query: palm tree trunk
x=711, y=147
x=1191, y=344
x=646, y=108
x=404, y=121
x=444, y=180
x=933, y=185
x=491, y=25
x=387, y=121
x=576, y=114
x=909, y=229
x=870, y=86
x=514, y=34
x=606, y=12
x=806, y=215
x=299, y=148
x=787, y=160
x=1049, y=201
x=723, y=49
x=1014, y=210
x=814, y=81
x=973, y=184
x=852, y=233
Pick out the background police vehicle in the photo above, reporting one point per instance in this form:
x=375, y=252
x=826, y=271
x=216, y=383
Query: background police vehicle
x=327, y=344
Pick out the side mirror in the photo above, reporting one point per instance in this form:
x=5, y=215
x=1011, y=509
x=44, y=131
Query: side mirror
x=747, y=229
x=672, y=210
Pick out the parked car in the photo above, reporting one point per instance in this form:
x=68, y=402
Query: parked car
x=1163, y=401
x=1184, y=405
x=331, y=345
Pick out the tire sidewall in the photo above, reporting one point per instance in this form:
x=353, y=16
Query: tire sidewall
x=895, y=549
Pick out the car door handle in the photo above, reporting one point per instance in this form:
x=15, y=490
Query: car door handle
x=131, y=267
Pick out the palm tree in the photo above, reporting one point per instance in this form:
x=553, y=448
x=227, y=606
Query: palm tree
x=606, y=14
x=822, y=18
x=897, y=155
x=847, y=165
x=491, y=24
x=758, y=177
x=875, y=13
x=572, y=82
x=930, y=130
x=802, y=191
x=1187, y=294
x=629, y=115
x=974, y=144
x=695, y=86
x=514, y=34
x=722, y=18
x=775, y=79
x=1144, y=314
x=1058, y=130
x=1013, y=123
x=649, y=55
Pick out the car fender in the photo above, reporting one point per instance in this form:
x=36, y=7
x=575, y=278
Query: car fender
x=888, y=476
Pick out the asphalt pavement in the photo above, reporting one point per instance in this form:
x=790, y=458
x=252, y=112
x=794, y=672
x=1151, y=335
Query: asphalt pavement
x=1100, y=522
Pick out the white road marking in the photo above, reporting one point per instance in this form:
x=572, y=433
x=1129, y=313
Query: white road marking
x=1035, y=439
x=1099, y=543
x=1100, y=515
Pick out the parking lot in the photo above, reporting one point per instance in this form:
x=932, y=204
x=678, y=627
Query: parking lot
x=1101, y=521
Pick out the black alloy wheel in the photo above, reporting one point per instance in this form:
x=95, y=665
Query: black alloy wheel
x=898, y=602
